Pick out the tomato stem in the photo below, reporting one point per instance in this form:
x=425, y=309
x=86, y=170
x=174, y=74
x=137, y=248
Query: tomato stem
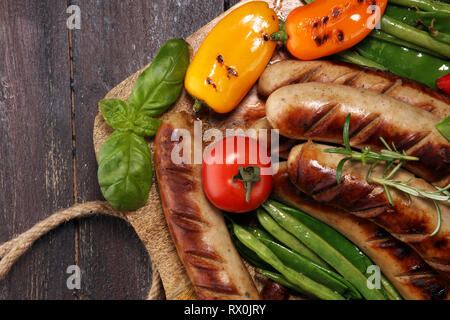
x=248, y=176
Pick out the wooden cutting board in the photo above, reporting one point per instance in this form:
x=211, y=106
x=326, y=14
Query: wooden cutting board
x=149, y=221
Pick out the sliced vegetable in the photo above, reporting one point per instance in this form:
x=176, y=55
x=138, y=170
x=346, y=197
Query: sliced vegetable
x=226, y=177
x=444, y=127
x=232, y=57
x=286, y=238
x=125, y=171
x=405, y=62
x=305, y=266
x=325, y=27
x=306, y=284
x=322, y=248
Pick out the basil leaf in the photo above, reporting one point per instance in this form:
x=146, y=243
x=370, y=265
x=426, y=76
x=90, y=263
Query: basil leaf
x=444, y=127
x=145, y=126
x=160, y=85
x=117, y=113
x=125, y=171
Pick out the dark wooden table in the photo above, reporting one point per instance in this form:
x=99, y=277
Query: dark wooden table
x=51, y=79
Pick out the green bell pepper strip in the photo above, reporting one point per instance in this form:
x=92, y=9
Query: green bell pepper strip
x=338, y=241
x=278, y=278
x=287, y=239
x=305, y=266
x=353, y=57
x=421, y=38
x=405, y=62
x=427, y=5
x=309, y=286
x=380, y=35
x=322, y=248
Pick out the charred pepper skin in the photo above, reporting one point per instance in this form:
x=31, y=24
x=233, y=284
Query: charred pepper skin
x=325, y=27
x=232, y=57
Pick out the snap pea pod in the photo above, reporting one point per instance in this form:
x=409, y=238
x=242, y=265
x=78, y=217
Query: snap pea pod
x=286, y=238
x=381, y=35
x=277, y=277
x=427, y=5
x=305, y=266
x=353, y=57
x=246, y=253
x=389, y=289
x=309, y=286
x=421, y=38
x=405, y=62
x=338, y=241
x=322, y=248
x=414, y=18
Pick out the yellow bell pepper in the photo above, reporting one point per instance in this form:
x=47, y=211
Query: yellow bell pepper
x=232, y=57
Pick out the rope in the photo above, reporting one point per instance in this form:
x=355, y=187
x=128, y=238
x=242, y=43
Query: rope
x=12, y=250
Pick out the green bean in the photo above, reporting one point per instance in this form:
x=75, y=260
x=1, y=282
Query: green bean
x=322, y=248
x=381, y=35
x=353, y=57
x=311, y=287
x=286, y=238
x=313, y=271
x=278, y=278
x=426, y=5
x=421, y=38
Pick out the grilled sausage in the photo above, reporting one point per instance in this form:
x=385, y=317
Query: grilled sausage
x=198, y=229
x=412, y=221
x=317, y=111
x=293, y=71
x=410, y=275
x=274, y=291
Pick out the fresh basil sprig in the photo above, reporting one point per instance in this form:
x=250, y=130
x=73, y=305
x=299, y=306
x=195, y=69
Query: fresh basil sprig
x=125, y=169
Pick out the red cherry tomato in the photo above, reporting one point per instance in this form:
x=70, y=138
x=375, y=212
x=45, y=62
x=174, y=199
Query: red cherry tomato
x=230, y=167
x=443, y=83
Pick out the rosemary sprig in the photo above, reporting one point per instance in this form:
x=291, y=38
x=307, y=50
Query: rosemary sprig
x=391, y=156
x=388, y=155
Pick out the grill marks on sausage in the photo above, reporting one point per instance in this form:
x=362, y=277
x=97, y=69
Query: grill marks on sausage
x=413, y=268
x=432, y=155
x=186, y=222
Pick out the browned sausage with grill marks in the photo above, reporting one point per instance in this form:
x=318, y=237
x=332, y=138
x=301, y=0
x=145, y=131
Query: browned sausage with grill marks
x=294, y=71
x=410, y=275
x=317, y=111
x=412, y=220
x=198, y=228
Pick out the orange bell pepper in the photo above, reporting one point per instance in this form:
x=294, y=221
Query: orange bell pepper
x=325, y=27
x=232, y=57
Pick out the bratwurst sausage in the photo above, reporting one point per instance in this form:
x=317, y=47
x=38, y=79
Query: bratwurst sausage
x=198, y=228
x=411, y=220
x=294, y=71
x=317, y=111
x=410, y=275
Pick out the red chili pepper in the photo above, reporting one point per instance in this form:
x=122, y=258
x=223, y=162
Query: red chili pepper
x=443, y=83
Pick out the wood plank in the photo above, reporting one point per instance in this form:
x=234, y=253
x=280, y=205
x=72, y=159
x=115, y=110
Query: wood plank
x=36, y=176
x=116, y=39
